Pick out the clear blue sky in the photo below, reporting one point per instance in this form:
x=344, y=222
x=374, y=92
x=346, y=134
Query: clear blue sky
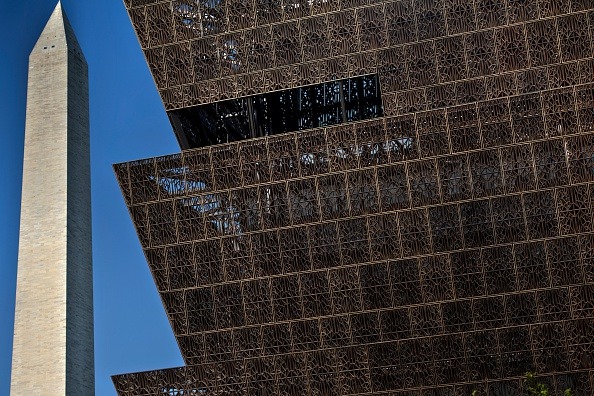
x=127, y=122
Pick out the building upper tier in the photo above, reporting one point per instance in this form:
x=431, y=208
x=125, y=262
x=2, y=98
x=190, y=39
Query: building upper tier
x=226, y=67
x=204, y=51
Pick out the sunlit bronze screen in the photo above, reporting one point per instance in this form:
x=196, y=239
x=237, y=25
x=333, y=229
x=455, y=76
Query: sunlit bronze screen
x=442, y=245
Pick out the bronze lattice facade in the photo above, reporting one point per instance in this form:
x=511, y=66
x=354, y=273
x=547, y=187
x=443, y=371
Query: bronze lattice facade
x=387, y=198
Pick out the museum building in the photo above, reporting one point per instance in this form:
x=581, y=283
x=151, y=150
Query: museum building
x=372, y=197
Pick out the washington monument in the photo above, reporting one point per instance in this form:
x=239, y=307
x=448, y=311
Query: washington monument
x=53, y=331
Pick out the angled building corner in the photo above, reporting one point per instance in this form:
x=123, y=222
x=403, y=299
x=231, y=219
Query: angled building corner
x=373, y=197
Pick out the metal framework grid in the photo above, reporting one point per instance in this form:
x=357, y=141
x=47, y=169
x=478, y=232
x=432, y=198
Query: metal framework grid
x=445, y=247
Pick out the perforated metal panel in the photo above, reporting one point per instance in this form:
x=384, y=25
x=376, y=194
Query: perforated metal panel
x=443, y=247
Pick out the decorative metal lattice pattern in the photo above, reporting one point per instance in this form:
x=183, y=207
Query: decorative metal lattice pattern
x=407, y=236
x=445, y=247
x=440, y=50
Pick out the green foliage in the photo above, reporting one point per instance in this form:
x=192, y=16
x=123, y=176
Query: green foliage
x=567, y=392
x=534, y=388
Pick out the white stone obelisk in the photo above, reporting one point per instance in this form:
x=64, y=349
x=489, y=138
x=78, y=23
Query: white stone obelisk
x=53, y=330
